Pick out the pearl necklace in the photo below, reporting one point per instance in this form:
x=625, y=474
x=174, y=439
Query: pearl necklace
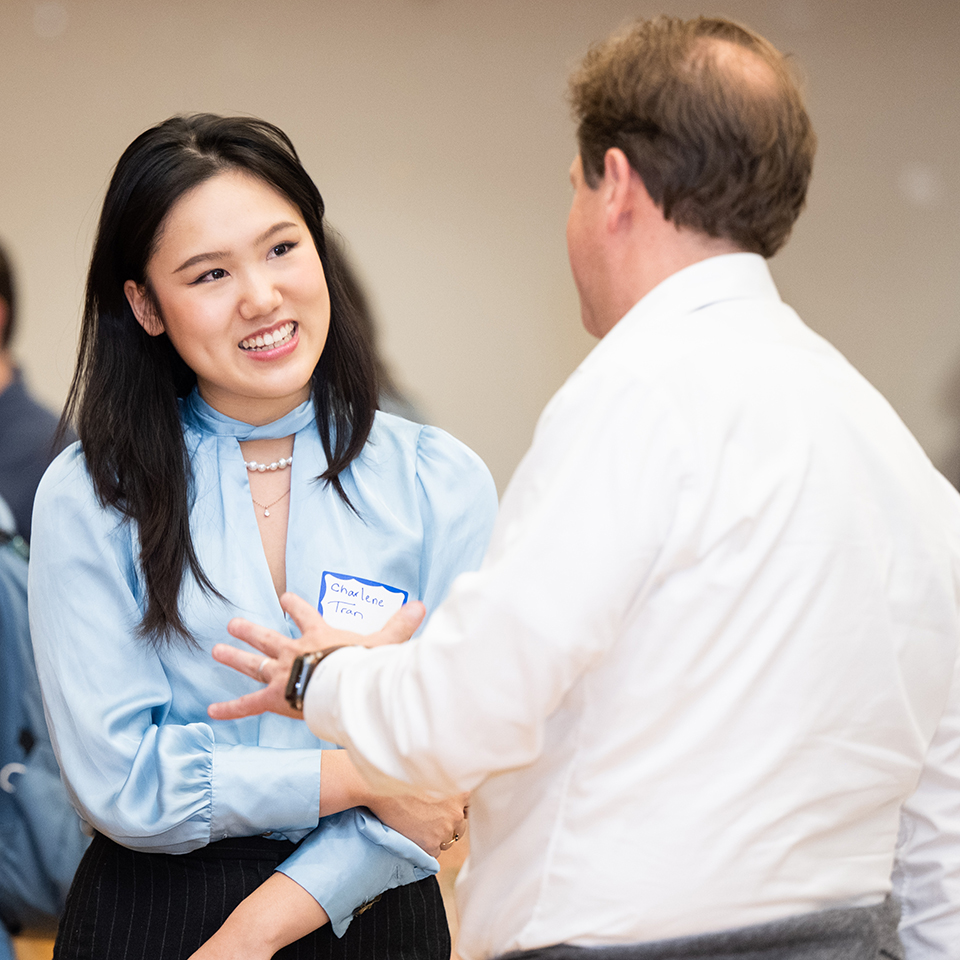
x=280, y=464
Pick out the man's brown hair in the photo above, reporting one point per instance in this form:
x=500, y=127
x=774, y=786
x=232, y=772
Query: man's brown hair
x=710, y=117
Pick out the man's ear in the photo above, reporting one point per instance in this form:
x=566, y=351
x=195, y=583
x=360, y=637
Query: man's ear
x=627, y=198
x=4, y=317
x=142, y=308
x=618, y=186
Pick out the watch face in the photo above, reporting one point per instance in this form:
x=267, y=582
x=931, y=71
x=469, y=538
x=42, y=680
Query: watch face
x=300, y=674
x=296, y=683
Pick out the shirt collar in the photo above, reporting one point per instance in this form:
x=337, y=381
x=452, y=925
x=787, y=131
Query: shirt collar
x=196, y=412
x=731, y=276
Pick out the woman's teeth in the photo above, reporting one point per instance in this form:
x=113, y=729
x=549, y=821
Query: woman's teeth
x=269, y=340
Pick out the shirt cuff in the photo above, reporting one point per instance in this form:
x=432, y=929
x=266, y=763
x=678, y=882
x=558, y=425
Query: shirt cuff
x=350, y=859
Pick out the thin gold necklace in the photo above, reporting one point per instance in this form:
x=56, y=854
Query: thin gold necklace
x=266, y=506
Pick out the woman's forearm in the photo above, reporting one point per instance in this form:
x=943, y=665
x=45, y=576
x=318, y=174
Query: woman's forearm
x=277, y=913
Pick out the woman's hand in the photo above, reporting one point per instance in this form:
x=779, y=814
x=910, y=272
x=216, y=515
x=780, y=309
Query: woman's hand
x=433, y=825
x=430, y=822
x=277, y=653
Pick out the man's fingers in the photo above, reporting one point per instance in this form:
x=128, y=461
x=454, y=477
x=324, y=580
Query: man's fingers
x=264, y=639
x=401, y=626
x=306, y=617
x=273, y=673
x=234, y=709
x=267, y=699
x=271, y=665
x=254, y=665
x=318, y=634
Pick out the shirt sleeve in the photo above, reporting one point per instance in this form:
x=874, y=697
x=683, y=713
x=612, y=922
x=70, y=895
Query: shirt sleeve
x=570, y=552
x=137, y=771
x=926, y=876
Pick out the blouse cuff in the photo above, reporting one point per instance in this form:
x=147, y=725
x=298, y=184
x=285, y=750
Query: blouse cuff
x=277, y=792
x=350, y=859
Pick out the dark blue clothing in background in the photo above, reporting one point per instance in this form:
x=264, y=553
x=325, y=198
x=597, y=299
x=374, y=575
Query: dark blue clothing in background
x=26, y=449
x=41, y=841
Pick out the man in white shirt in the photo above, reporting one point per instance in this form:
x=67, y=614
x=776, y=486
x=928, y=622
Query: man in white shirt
x=708, y=669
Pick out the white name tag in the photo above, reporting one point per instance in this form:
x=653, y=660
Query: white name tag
x=352, y=603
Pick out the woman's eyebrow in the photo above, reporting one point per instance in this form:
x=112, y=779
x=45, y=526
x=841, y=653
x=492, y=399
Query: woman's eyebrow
x=200, y=258
x=221, y=254
x=276, y=228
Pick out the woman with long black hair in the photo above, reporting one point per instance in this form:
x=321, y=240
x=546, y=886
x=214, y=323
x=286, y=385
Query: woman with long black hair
x=230, y=450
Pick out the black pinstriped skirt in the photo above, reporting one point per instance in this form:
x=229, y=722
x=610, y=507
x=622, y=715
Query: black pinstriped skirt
x=126, y=905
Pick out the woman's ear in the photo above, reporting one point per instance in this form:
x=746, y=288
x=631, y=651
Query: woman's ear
x=142, y=308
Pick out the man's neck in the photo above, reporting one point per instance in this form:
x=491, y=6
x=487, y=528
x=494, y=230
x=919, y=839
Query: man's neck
x=646, y=269
x=631, y=247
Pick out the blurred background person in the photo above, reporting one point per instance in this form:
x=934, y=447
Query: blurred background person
x=26, y=428
x=41, y=841
x=392, y=398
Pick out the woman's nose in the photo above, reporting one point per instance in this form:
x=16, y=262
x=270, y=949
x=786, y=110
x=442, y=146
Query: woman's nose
x=260, y=296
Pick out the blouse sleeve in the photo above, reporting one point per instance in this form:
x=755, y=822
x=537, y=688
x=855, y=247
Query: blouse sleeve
x=350, y=859
x=136, y=771
x=360, y=856
x=458, y=506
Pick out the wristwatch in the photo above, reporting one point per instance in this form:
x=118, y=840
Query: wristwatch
x=302, y=671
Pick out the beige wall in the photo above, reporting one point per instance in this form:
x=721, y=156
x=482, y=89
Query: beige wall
x=438, y=134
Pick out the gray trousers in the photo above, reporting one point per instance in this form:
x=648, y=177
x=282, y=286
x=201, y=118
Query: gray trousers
x=858, y=933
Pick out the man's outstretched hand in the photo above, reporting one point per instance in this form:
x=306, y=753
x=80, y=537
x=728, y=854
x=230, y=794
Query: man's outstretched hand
x=272, y=664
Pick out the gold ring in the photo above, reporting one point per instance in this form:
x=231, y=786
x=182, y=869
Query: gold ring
x=447, y=844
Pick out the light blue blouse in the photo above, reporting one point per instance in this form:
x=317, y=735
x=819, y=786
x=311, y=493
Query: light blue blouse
x=141, y=759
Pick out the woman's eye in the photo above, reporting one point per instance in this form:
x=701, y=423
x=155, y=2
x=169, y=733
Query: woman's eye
x=282, y=248
x=216, y=274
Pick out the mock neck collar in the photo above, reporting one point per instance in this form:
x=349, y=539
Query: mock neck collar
x=198, y=413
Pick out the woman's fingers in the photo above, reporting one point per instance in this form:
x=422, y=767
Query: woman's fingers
x=431, y=823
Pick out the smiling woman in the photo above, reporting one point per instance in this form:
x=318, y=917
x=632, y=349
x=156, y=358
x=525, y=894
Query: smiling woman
x=249, y=317
x=230, y=450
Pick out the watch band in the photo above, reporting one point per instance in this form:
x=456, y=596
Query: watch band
x=302, y=671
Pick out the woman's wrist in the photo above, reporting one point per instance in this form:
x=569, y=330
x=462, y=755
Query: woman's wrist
x=341, y=786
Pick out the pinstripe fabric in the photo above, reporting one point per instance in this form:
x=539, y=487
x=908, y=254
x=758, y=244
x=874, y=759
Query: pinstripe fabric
x=126, y=905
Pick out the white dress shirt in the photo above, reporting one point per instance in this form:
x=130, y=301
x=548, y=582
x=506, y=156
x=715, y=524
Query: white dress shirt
x=703, y=662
